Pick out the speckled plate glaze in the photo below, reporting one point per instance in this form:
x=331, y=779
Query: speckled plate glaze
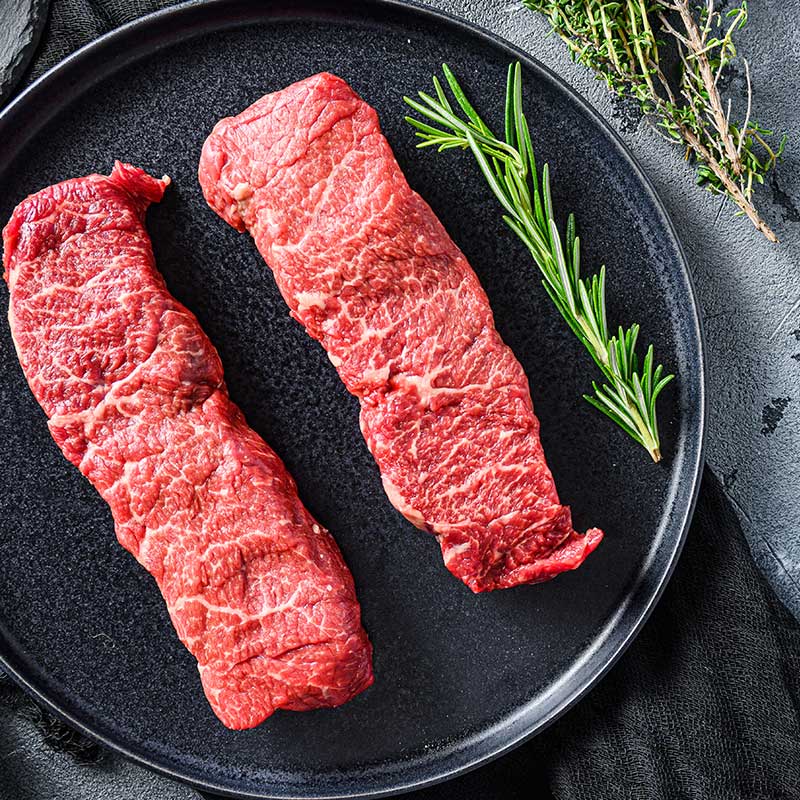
x=459, y=678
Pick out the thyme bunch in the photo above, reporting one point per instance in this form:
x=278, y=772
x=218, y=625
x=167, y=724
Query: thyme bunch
x=627, y=43
x=628, y=395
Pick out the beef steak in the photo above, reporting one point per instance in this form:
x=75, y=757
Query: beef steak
x=368, y=269
x=133, y=388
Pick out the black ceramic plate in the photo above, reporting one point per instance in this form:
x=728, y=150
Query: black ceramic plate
x=459, y=678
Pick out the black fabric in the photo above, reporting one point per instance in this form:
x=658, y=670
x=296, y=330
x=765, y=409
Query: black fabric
x=705, y=703
x=74, y=23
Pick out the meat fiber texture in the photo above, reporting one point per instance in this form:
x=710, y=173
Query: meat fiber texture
x=368, y=269
x=133, y=388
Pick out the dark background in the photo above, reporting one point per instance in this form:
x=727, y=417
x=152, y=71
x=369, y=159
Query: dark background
x=713, y=678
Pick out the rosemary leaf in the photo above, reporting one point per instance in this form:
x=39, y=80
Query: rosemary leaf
x=629, y=395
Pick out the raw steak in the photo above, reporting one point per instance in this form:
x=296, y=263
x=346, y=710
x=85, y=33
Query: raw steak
x=368, y=269
x=133, y=388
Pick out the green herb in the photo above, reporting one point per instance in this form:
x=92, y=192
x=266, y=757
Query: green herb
x=629, y=394
x=620, y=41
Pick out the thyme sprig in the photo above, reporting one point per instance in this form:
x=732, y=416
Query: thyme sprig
x=628, y=395
x=627, y=43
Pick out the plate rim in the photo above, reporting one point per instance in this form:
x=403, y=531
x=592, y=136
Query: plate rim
x=694, y=467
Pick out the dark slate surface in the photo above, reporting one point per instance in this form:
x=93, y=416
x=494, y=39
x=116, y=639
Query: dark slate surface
x=21, y=25
x=748, y=291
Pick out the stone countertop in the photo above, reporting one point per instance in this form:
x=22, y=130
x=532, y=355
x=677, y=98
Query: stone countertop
x=748, y=290
x=749, y=295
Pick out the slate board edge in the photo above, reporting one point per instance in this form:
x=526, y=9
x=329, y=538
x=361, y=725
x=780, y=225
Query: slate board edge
x=38, y=13
x=111, y=46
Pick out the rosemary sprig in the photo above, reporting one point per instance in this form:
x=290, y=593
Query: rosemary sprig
x=618, y=40
x=628, y=395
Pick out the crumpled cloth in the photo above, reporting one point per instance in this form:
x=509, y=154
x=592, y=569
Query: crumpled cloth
x=705, y=704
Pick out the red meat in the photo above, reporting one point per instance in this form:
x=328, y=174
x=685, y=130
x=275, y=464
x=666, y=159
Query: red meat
x=133, y=388
x=368, y=269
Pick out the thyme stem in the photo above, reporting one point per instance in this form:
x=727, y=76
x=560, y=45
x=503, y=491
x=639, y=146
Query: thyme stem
x=699, y=51
x=617, y=40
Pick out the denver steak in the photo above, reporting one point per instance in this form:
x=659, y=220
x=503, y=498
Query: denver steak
x=368, y=269
x=134, y=392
